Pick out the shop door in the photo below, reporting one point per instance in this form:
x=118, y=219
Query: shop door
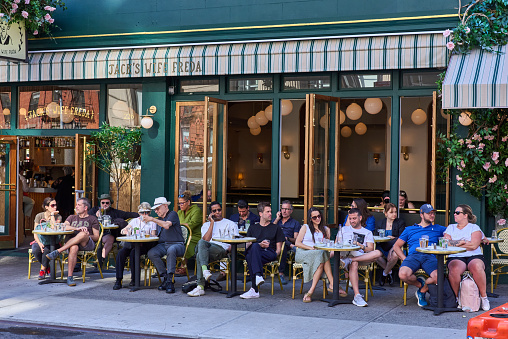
x=11, y=203
x=85, y=173
x=321, y=156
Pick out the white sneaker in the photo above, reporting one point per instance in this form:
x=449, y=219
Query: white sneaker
x=250, y=294
x=358, y=301
x=347, y=262
x=198, y=291
x=207, y=274
x=485, y=304
x=259, y=280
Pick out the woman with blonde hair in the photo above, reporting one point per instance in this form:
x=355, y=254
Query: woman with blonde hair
x=465, y=233
x=192, y=216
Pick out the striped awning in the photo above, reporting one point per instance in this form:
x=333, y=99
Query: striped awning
x=477, y=80
x=410, y=51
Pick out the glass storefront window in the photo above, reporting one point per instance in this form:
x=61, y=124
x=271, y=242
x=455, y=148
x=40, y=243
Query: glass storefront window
x=5, y=108
x=420, y=79
x=250, y=84
x=313, y=83
x=124, y=105
x=356, y=80
x=199, y=86
x=59, y=107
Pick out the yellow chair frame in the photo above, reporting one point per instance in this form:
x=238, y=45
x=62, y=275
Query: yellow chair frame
x=499, y=258
x=298, y=274
x=271, y=269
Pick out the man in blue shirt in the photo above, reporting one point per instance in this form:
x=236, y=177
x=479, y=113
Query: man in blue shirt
x=290, y=227
x=416, y=260
x=243, y=214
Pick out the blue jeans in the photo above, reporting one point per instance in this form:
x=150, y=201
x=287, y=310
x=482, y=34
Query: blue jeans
x=171, y=251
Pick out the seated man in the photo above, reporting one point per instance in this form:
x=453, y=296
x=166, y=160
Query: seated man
x=365, y=255
x=290, y=227
x=208, y=250
x=269, y=238
x=243, y=214
x=416, y=260
x=171, y=242
x=86, y=232
x=127, y=250
x=117, y=217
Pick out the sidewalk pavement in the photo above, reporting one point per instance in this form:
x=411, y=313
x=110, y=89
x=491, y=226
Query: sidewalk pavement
x=96, y=305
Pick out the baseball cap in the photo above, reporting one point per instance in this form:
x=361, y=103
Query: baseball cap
x=427, y=208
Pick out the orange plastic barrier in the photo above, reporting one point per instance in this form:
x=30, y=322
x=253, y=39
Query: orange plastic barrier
x=491, y=324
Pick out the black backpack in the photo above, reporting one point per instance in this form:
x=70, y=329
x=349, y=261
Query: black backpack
x=449, y=298
x=212, y=285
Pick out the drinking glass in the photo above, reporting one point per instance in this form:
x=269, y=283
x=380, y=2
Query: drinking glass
x=494, y=234
x=441, y=241
x=381, y=233
x=426, y=238
x=445, y=243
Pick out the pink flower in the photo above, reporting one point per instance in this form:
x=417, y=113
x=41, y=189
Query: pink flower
x=447, y=33
x=14, y=10
x=51, y=20
x=506, y=187
x=501, y=222
x=449, y=149
x=495, y=155
x=36, y=32
x=14, y=7
x=47, y=8
x=504, y=139
x=450, y=45
x=477, y=137
x=481, y=145
x=24, y=14
x=17, y=1
x=1, y=15
x=494, y=128
x=467, y=30
x=458, y=178
x=461, y=141
x=486, y=166
x=506, y=162
x=462, y=163
x=468, y=141
x=489, y=137
x=471, y=146
x=459, y=169
x=493, y=179
x=460, y=184
x=27, y=2
x=47, y=17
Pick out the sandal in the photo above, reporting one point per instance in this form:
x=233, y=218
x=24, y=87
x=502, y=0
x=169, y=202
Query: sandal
x=307, y=297
x=342, y=293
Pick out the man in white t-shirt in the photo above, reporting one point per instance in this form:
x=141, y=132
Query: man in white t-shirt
x=209, y=250
x=358, y=235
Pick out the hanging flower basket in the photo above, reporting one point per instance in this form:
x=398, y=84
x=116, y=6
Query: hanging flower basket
x=37, y=15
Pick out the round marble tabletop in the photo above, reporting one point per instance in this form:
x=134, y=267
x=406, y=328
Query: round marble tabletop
x=52, y=232
x=235, y=241
x=138, y=239
x=377, y=238
x=440, y=250
x=495, y=241
x=336, y=248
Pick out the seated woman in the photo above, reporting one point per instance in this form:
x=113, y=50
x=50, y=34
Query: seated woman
x=192, y=216
x=148, y=228
x=465, y=233
x=393, y=227
x=41, y=244
x=314, y=262
x=404, y=201
x=368, y=220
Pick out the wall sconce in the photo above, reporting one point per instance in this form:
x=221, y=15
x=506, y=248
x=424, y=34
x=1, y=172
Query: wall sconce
x=376, y=157
x=260, y=158
x=147, y=121
x=405, y=152
x=240, y=177
x=341, y=177
x=285, y=151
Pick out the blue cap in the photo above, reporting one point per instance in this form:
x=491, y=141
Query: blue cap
x=427, y=208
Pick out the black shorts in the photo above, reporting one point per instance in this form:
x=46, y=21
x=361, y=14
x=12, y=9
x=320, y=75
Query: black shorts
x=466, y=260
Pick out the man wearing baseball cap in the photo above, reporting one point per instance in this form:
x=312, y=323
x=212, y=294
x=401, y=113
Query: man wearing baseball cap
x=416, y=260
x=171, y=242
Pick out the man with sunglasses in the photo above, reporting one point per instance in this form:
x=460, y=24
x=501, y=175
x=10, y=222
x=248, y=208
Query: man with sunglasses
x=269, y=239
x=171, y=242
x=290, y=227
x=416, y=260
x=147, y=227
x=118, y=217
x=209, y=250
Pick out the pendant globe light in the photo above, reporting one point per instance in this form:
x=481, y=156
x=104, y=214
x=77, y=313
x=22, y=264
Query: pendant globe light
x=255, y=131
x=6, y=111
x=346, y=131
x=373, y=105
x=323, y=122
x=354, y=111
x=465, y=118
x=53, y=110
x=360, y=128
x=67, y=115
x=252, y=123
x=342, y=117
x=418, y=116
x=261, y=118
x=286, y=107
x=268, y=112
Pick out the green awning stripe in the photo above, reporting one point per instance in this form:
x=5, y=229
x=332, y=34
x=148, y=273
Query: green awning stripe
x=269, y=70
x=130, y=63
x=118, y=62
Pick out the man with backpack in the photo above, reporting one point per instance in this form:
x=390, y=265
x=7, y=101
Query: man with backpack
x=416, y=260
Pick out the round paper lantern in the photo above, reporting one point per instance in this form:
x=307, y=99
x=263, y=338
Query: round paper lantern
x=147, y=122
x=346, y=131
x=120, y=109
x=261, y=118
x=286, y=107
x=255, y=131
x=53, y=110
x=252, y=123
x=342, y=117
x=465, y=118
x=390, y=121
x=67, y=115
x=373, y=105
x=354, y=111
x=360, y=128
x=22, y=111
x=323, y=122
x=7, y=111
x=268, y=112
x=419, y=116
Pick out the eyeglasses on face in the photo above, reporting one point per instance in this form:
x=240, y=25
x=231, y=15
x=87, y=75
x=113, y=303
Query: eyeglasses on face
x=52, y=205
x=217, y=210
x=315, y=217
x=458, y=212
x=285, y=209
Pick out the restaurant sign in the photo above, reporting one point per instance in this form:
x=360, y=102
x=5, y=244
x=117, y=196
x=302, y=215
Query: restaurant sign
x=13, y=41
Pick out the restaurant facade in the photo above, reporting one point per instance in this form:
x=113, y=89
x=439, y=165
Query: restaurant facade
x=316, y=102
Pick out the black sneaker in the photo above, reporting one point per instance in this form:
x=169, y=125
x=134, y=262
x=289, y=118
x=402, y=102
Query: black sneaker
x=170, y=287
x=164, y=284
x=389, y=277
x=381, y=280
x=118, y=285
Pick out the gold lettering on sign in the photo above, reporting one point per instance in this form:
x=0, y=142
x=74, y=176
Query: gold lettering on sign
x=154, y=68
x=76, y=111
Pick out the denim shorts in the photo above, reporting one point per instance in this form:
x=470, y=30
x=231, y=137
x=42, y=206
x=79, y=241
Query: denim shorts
x=415, y=261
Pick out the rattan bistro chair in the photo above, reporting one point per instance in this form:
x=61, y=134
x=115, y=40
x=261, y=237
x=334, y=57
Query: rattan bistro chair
x=499, y=261
x=298, y=274
x=32, y=260
x=271, y=269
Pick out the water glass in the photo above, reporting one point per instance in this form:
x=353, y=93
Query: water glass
x=494, y=234
x=441, y=241
x=422, y=243
x=426, y=238
x=381, y=233
x=445, y=244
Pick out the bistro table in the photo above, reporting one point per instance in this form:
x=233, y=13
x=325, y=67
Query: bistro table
x=335, y=300
x=137, y=240
x=493, y=241
x=110, y=227
x=52, y=235
x=234, y=245
x=440, y=254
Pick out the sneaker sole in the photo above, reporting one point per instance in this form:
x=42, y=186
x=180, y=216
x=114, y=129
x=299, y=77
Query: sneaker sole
x=354, y=303
x=73, y=284
x=418, y=300
x=249, y=297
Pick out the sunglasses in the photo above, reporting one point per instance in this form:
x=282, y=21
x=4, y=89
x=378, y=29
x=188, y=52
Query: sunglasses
x=181, y=196
x=458, y=212
x=217, y=210
x=144, y=212
x=315, y=217
x=402, y=193
x=52, y=205
x=105, y=202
